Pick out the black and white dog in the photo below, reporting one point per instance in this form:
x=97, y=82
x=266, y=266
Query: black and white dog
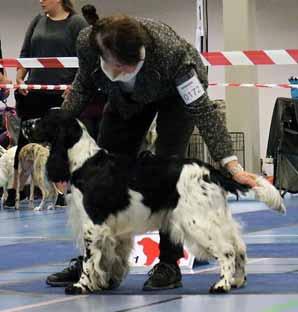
x=117, y=198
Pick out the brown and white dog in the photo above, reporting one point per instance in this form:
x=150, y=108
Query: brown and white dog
x=32, y=162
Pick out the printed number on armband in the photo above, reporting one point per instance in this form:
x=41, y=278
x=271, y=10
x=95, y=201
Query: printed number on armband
x=191, y=90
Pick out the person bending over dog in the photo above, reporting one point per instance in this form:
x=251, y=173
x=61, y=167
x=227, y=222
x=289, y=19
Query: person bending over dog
x=145, y=68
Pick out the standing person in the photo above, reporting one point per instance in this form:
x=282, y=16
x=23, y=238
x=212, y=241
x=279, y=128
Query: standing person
x=52, y=34
x=144, y=67
x=9, y=121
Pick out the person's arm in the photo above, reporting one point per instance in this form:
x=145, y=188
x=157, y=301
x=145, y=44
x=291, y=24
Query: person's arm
x=4, y=93
x=21, y=73
x=83, y=88
x=26, y=52
x=213, y=130
x=3, y=79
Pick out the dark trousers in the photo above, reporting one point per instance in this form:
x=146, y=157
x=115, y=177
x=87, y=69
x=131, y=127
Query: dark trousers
x=92, y=125
x=174, y=128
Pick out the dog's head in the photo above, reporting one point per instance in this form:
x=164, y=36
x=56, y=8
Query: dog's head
x=61, y=132
x=57, y=127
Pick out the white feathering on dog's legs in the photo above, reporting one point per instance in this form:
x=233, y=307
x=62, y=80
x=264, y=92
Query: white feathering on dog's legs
x=268, y=194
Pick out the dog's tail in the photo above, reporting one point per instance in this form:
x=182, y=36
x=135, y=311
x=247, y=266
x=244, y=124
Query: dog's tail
x=264, y=191
x=268, y=194
x=228, y=184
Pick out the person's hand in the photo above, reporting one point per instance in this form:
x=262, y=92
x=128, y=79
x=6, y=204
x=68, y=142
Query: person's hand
x=66, y=92
x=4, y=92
x=239, y=175
x=22, y=91
x=246, y=178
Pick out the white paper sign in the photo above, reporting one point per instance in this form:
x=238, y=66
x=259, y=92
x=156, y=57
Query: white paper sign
x=146, y=252
x=191, y=90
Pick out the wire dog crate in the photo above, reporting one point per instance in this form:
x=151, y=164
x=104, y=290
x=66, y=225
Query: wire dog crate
x=197, y=148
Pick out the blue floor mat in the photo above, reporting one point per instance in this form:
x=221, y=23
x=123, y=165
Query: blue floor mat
x=36, y=253
x=272, y=250
x=266, y=219
x=47, y=252
x=285, y=283
x=42, y=252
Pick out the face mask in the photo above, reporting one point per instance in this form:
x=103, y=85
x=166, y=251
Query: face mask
x=122, y=77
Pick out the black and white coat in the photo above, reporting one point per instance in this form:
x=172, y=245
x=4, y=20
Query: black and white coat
x=116, y=198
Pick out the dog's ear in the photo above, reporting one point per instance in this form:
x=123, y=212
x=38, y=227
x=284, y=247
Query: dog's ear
x=68, y=133
x=58, y=163
x=58, y=166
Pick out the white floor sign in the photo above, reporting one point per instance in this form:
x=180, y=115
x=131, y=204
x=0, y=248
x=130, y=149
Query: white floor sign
x=146, y=252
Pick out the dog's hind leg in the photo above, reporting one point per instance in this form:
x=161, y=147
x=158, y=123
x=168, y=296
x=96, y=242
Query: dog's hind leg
x=22, y=177
x=44, y=196
x=239, y=278
x=53, y=199
x=42, y=203
x=224, y=253
x=31, y=197
x=205, y=237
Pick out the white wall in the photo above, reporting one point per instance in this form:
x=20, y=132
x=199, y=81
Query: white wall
x=276, y=29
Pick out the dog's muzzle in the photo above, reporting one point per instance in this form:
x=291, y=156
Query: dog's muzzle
x=28, y=127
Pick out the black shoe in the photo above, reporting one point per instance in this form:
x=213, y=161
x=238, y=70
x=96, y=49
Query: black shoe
x=61, y=201
x=69, y=275
x=11, y=198
x=163, y=276
x=23, y=195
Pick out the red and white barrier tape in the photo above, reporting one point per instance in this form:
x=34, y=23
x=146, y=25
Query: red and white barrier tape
x=33, y=86
x=255, y=85
x=258, y=57
x=214, y=84
x=46, y=62
x=226, y=58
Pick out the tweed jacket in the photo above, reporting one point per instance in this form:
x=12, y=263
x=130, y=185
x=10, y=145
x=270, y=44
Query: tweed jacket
x=168, y=58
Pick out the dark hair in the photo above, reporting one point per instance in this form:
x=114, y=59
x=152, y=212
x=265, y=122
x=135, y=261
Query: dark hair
x=90, y=14
x=123, y=36
x=68, y=6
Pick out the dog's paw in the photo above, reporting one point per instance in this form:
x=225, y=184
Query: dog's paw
x=51, y=207
x=113, y=284
x=238, y=282
x=221, y=287
x=72, y=289
x=38, y=208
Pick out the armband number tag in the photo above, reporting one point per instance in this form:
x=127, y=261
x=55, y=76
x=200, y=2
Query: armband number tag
x=191, y=90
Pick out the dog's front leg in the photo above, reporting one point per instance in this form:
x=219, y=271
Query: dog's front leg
x=31, y=198
x=3, y=197
x=22, y=177
x=98, y=259
x=120, y=267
